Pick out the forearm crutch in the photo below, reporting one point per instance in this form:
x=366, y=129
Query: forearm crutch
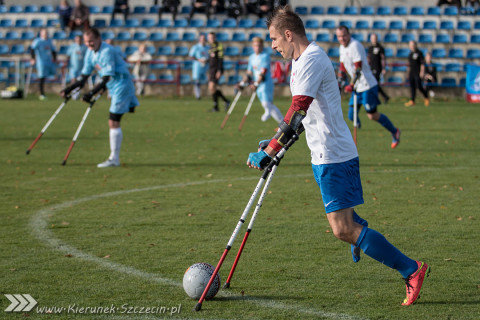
x=355, y=115
x=266, y=176
x=92, y=102
x=254, y=94
x=47, y=124
x=232, y=106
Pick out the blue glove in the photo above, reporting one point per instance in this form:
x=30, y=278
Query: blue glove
x=263, y=144
x=259, y=159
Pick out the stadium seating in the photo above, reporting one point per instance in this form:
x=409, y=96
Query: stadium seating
x=453, y=67
x=346, y=23
x=6, y=23
x=180, y=23
x=27, y=35
x=15, y=9
x=140, y=36
x=59, y=35
x=301, y=10
x=172, y=36
x=464, y=25
x=379, y=25
x=185, y=79
x=30, y=8
x=12, y=36
x=367, y=11
x=396, y=25
x=107, y=9
x=116, y=23
x=123, y=36
x=245, y=23
x=429, y=25
x=449, y=82
x=388, y=52
x=446, y=25
x=390, y=38
x=181, y=51
x=213, y=23
x=17, y=49
x=434, y=11
x=439, y=53
x=197, y=23
x=107, y=35
x=442, y=38
x=3, y=49
x=328, y=24
x=261, y=24
x=417, y=11
x=350, y=10
x=473, y=54
x=164, y=51
x=132, y=23
x=450, y=11
x=459, y=38
x=475, y=38
x=189, y=36
x=139, y=9
x=425, y=38
x=455, y=53
x=253, y=35
x=229, y=23
x=323, y=37
x=400, y=11
x=334, y=10
x=333, y=52
x=164, y=23
x=403, y=53
x=99, y=23
x=21, y=23
x=407, y=37
x=239, y=36
x=129, y=50
x=222, y=36
x=412, y=25
x=246, y=51
x=384, y=11
x=317, y=10
x=53, y=23
x=362, y=25
x=312, y=24
x=231, y=51
x=46, y=8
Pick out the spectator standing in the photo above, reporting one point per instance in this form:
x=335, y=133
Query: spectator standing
x=80, y=16
x=170, y=6
x=199, y=53
x=215, y=62
x=430, y=76
x=208, y=7
x=141, y=60
x=43, y=56
x=415, y=72
x=377, y=62
x=234, y=8
x=260, y=8
x=64, y=13
x=76, y=56
x=363, y=85
x=455, y=3
x=121, y=6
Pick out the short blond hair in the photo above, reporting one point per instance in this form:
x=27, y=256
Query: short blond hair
x=258, y=39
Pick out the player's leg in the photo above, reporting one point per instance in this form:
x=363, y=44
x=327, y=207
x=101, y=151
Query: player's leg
x=196, y=89
x=212, y=87
x=115, y=139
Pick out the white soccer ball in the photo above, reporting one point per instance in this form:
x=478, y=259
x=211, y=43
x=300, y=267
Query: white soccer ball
x=196, y=278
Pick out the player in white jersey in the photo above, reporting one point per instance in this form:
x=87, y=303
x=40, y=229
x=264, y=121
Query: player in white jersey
x=353, y=60
x=316, y=104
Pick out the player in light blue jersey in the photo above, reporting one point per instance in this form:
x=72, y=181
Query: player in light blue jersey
x=76, y=56
x=199, y=54
x=43, y=55
x=113, y=70
x=258, y=71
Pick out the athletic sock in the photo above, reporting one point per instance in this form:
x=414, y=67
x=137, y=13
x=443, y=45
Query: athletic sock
x=376, y=246
x=215, y=99
x=197, y=90
x=384, y=121
x=116, y=137
x=42, y=86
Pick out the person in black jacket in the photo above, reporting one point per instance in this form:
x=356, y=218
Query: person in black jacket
x=377, y=62
x=215, y=63
x=415, y=71
x=430, y=76
x=121, y=6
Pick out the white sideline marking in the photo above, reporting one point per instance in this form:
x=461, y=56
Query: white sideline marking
x=39, y=226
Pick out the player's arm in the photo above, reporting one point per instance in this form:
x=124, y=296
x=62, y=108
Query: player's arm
x=342, y=76
x=77, y=84
x=356, y=76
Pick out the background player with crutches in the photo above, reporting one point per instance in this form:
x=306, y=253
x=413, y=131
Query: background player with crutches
x=76, y=57
x=115, y=76
x=353, y=60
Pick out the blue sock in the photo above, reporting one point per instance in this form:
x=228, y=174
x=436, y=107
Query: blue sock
x=384, y=121
x=350, y=116
x=377, y=247
x=363, y=222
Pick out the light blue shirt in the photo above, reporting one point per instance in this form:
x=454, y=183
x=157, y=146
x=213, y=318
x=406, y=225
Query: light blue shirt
x=76, y=54
x=44, y=57
x=198, y=68
x=257, y=63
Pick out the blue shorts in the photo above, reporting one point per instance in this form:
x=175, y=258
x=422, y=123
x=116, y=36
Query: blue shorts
x=340, y=184
x=368, y=98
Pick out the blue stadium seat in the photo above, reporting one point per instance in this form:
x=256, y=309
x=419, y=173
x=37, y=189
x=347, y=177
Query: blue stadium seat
x=164, y=51
x=455, y=53
x=476, y=25
x=3, y=8
x=309, y=36
x=417, y=11
x=164, y=23
x=139, y=10
x=241, y=66
x=130, y=50
x=107, y=9
x=239, y=36
x=329, y=24
x=464, y=25
x=350, y=10
x=390, y=38
x=213, y=23
x=301, y=10
x=334, y=38
x=140, y=36
x=186, y=10
x=153, y=9
x=63, y=50
x=333, y=52
x=400, y=11
x=312, y=24
x=21, y=23
x=407, y=37
x=399, y=68
x=254, y=35
x=15, y=9
x=229, y=23
x=3, y=49
x=450, y=11
x=17, y=49
x=180, y=23
x=346, y=23
x=36, y=23
x=231, y=51
x=172, y=36
x=403, y=52
x=358, y=36
x=442, y=38
x=395, y=25
x=384, y=11
x=379, y=25
x=463, y=82
x=438, y=53
x=261, y=23
x=245, y=23
x=107, y=35
x=459, y=38
x=429, y=25
x=12, y=35
x=116, y=23
x=425, y=38
x=323, y=37
x=453, y=67
x=30, y=8
x=434, y=11
x=189, y=36
x=6, y=23
x=197, y=23
x=475, y=38
x=334, y=10
x=185, y=79
x=234, y=79
x=228, y=65
x=446, y=25
x=166, y=78
x=362, y=24
x=367, y=11
x=47, y=8
x=222, y=36
x=150, y=49
x=94, y=9
x=53, y=23
x=317, y=10
x=449, y=82
x=151, y=78
x=59, y=35
x=132, y=23
x=123, y=36
x=473, y=54
x=412, y=25
x=188, y=64
x=388, y=52
x=99, y=23
x=181, y=51
x=27, y=35
x=246, y=51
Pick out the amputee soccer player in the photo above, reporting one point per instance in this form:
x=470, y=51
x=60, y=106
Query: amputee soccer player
x=43, y=55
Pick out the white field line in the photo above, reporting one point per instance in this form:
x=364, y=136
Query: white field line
x=39, y=225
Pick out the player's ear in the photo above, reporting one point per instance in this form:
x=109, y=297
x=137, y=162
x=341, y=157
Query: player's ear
x=288, y=35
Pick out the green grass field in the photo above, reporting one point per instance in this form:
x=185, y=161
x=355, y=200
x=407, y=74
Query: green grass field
x=77, y=237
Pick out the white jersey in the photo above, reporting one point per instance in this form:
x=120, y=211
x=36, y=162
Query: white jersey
x=352, y=53
x=328, y=136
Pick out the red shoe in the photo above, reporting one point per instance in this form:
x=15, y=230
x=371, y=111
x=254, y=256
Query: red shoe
x=414, y=283
x=396, y=139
